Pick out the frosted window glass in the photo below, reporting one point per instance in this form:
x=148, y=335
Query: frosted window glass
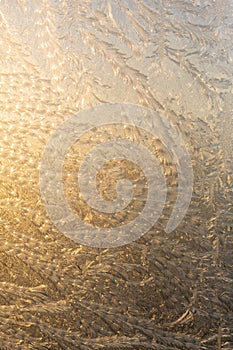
x=117, y=114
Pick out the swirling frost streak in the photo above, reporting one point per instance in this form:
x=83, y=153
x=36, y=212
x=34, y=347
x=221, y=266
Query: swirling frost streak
x=164, y=291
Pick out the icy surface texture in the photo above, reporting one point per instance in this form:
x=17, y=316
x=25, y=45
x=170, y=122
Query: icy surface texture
x=164, y=291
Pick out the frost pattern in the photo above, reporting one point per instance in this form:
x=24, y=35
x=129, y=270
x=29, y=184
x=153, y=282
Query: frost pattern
x=164, y=291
